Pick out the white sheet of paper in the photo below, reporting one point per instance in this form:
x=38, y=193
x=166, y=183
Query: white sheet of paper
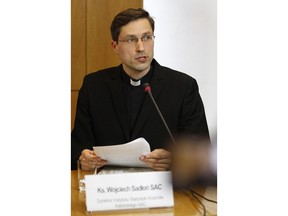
x=124, y=154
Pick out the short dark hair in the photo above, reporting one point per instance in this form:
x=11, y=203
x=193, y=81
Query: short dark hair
x=126, y=16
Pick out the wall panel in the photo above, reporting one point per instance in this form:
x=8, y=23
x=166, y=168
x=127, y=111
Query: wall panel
x=100, y=14
x=91, y=40
x=78, y=42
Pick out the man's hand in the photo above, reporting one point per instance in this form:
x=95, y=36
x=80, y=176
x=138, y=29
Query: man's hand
x=159, y=159
x=89, y=160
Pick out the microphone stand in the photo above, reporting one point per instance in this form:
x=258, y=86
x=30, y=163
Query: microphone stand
x=147, y=89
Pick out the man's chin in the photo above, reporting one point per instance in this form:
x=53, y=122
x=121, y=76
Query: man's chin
x=142, y=66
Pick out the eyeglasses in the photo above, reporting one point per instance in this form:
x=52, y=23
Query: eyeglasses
x=134, y=40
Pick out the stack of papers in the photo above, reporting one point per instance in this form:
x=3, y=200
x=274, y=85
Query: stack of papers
x=124, y=154
x=121, y=170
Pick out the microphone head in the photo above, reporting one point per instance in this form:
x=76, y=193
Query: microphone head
x=147, y=87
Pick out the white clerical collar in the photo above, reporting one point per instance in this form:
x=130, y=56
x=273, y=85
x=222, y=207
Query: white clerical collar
x=135, y=83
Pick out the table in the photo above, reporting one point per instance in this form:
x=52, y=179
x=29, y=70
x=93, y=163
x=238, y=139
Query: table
x=184, y=203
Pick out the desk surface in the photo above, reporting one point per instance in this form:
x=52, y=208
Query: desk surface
x=184, y=203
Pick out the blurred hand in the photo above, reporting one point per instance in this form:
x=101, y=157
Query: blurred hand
x=89, y=160
x=159, y=159
x=190, y=161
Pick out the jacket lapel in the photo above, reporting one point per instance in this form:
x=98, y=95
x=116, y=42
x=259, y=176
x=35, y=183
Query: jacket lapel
x=119, y=102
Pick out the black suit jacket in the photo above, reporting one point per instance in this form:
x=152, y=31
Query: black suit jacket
x=101, y=118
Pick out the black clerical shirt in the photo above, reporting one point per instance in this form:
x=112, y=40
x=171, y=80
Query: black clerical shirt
x=134, y=96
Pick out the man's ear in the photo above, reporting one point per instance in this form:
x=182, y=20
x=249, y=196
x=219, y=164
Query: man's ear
x=114, y=46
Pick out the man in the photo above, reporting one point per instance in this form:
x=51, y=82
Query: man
x=113, y=107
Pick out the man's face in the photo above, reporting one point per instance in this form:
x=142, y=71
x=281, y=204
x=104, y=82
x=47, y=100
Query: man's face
x=136, y=56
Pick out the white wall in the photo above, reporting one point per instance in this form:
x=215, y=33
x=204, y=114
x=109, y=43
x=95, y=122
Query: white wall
x=186, y=32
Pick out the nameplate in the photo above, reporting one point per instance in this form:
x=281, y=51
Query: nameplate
x=129, y=191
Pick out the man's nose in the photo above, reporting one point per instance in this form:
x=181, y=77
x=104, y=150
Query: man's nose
x=139, y=46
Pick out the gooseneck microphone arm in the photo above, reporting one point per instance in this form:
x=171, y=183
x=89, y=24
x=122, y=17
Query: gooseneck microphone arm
x=147, y=89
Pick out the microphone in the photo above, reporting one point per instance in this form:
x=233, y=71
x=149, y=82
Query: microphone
x=147, y=89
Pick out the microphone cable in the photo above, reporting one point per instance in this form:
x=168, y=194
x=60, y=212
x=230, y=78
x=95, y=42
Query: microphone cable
x=199, y=201
x=193, y=193
x=209, y=200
